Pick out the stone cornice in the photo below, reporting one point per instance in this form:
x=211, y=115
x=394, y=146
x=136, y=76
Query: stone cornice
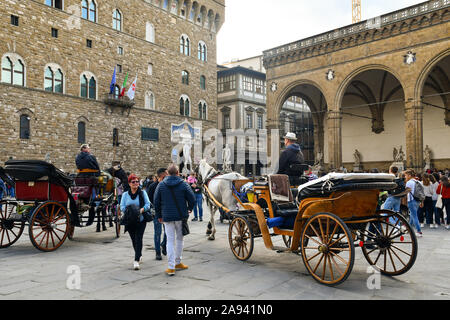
x=392, y=24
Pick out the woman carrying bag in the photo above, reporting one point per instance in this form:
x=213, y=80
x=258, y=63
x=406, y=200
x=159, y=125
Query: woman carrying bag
x=444, y=191
x=135, y=206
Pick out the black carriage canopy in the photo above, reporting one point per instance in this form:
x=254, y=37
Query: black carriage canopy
x=32, y=170
x=333, y=182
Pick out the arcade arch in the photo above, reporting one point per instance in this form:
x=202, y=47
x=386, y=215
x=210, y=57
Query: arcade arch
x=373, y=116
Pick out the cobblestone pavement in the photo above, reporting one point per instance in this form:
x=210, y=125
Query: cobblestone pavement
x=105, y=264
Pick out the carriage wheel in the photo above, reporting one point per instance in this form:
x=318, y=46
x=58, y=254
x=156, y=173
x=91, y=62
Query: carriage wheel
x=390, y=244
x=240, y=237
x=330, y=254
x=49, y=226
x=10, y=230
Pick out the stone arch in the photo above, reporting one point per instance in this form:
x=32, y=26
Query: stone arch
x=346, y=82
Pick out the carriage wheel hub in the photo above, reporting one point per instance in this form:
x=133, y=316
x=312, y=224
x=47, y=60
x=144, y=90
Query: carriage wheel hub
x=383, y=242
x=323, y=249
x=6, y=224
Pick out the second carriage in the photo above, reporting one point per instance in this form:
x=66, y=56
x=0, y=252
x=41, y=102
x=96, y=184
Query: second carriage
x=326, y=221
x=52, y=204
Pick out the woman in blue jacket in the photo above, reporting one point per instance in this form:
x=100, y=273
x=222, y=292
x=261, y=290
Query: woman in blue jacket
x=173, y=200
x=138, y=197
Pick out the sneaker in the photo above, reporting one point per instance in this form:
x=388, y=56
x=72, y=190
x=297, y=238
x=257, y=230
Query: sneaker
x=447, y=227
x=422, y=225
x=181, y=267
x=136, y=265
x=170, y=272
x=158, y=257
x=419, y=234
x=195, y=219
x=140, y=259
x=201, y=219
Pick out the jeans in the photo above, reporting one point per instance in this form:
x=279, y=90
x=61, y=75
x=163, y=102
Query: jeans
x=414, y=220
x=199, y=204
x=174, y=248
x=428, y=206
x=392, y=203
x=136, y=235
x=157, y=237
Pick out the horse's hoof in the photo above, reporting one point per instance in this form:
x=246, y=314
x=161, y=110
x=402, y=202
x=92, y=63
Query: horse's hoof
x=211, y=238
x=104, y=228
x=208, y=232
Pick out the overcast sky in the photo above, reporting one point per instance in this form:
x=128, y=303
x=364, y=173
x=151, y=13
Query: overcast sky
x=252, y=26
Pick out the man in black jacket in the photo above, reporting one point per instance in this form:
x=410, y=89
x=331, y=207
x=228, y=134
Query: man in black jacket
x=85, y=160
x=292, y=155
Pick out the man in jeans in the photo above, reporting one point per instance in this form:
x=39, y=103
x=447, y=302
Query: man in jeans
x=160, y=247
x=413, y=204
x=173, y=201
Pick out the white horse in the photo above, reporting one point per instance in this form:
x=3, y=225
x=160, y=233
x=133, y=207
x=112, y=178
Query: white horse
x=220, y=187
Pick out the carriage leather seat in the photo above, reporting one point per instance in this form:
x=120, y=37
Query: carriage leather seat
x=285, y=210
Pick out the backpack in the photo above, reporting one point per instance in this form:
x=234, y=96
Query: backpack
x=419, y=192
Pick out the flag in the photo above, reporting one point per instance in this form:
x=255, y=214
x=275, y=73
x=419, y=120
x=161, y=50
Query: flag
x=124, y=86
x=131, y=92
x=113, y=82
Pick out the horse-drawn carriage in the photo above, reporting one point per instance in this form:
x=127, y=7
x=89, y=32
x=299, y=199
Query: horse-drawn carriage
x=324, y=223
x=52, y=203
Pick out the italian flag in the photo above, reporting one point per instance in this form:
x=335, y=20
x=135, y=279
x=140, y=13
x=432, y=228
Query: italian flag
x=124, y=86
x=132, y=91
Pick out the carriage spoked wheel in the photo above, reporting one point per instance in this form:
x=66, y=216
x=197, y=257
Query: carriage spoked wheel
x=240, y=237
x=329, y=254
x=49, y=226
x=389, y=244
x=10, y=229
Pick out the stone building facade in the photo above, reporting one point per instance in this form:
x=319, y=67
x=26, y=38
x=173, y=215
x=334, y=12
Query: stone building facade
x=372, y=86
x=58, y=59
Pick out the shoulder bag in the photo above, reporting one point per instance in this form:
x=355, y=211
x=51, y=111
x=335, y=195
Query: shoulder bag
x=439, y=203
x=184, y=225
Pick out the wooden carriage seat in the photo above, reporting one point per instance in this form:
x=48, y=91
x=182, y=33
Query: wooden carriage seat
x=281, y=194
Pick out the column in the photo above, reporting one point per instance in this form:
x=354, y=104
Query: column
x=334, y=120
x=414, y=135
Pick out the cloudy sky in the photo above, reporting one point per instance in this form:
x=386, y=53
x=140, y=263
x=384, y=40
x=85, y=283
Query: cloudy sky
x=252, y=26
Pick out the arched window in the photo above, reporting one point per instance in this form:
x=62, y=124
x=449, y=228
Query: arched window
x=13, y=71
x=202, y=56
x=203, y=82
x=150, y=101
x=92, y=88
x=84, y=86
x=81, y=132
x=93, y=11
x=185, y=106
x=165, y=4
x=202, y=110
x=84, y=9
x=24, y=126
x=117, y=20
x=184, y=77
x=53, y=79
x=183, y=10
x=185, y=46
